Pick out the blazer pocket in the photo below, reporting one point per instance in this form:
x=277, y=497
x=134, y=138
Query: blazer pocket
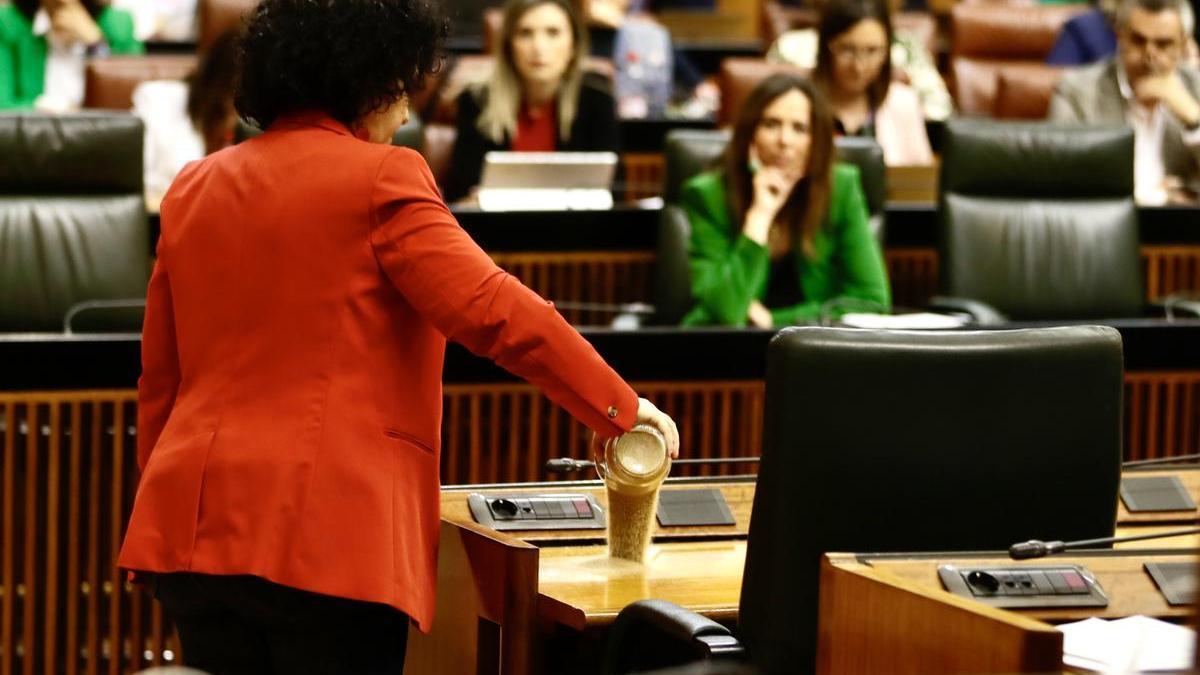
x=397, y=435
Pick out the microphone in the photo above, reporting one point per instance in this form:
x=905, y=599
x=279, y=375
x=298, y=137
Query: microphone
x=1035, y=548
x=566, y=464
x=1177, y=459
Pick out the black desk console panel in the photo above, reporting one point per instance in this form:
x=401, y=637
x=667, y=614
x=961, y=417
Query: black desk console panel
x=1017, y=586
x=536, y=512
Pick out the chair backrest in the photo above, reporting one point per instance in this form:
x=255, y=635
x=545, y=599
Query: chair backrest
x=778, y=19
x=1024, y=92
x=218, y=16
x=687, y=152
x=110, y=81
x=866, y=154
x=1038, y=220
x=672, y=273
x=72, y=216
x=888, y=441
x=739, y=76
x=994, y=37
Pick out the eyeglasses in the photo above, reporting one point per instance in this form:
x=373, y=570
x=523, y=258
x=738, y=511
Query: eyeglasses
x=851, y=53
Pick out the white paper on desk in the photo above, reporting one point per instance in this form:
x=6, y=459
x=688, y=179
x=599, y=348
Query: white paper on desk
x=914, y=321
x=1136, y=643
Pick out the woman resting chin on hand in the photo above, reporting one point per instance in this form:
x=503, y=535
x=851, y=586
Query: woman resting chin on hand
x=803, y=239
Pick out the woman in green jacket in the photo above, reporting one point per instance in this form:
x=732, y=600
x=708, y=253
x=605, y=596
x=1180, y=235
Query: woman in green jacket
x=779, y=232
x=80, y=28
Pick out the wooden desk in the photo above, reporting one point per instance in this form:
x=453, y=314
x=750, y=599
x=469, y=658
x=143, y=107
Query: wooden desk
x=581, y=587
x=892, y=615
x=536, y=600
x=512, y=606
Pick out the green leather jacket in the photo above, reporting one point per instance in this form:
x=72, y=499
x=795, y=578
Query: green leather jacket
x=23, y=54
x=729, y=270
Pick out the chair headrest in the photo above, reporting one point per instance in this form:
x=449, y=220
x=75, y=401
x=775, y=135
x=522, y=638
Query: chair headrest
x=78, y=153
x=689, y=152
x=1036, y=159
x=1001, y=30
x=866, y=154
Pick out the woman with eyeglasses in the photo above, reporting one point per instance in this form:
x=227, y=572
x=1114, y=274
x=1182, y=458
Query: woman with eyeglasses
x=854, y=69
x=779, y=231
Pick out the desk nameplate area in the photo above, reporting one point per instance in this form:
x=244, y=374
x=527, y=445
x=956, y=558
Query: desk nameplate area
x=1173, y=487
x=1156, y=494
x=1023, y=586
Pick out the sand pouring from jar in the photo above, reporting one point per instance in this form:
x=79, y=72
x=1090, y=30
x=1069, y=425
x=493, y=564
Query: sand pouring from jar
x=633, y=467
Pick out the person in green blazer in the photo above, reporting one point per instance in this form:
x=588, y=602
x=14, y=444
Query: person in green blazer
x=779, y=232
x=91, y=23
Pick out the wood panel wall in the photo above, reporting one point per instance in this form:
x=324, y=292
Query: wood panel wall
x=68, y=473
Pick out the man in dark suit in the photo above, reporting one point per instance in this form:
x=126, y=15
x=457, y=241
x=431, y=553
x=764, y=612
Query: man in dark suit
x=1146, y=87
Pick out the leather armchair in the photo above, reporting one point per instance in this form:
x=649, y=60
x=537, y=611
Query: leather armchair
x=738, y=77
x=110, y=81
x=1038, y=220
x=1025, y=94
x=72, y=219
x=994, y=38
x=964, y=427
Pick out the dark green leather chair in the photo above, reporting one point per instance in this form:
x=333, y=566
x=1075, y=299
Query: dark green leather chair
x=892, y=441
x=1038, y=220
x=689, y=152
x=73, y=225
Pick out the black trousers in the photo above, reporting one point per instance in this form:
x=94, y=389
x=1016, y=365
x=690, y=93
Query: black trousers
x=230, y=625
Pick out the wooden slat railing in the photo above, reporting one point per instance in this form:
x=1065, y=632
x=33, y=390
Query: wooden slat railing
x=603, y=277
x=506, y=432
x=1162, y=414
x=643, y=174
x=626, y=276
x=1171, y=269
x=68, y=473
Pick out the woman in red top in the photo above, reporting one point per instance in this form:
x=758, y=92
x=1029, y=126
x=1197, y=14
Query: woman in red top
x=539, y=97
x=290, y=398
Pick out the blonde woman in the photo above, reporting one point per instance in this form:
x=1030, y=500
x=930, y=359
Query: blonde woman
x=538, y=99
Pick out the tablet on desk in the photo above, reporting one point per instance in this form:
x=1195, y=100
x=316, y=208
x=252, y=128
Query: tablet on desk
x=547, y=181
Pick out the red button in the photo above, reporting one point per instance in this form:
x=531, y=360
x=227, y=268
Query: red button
x=583, y=508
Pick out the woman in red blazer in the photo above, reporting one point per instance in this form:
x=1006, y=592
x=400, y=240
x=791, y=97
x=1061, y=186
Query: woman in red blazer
x=290, y=398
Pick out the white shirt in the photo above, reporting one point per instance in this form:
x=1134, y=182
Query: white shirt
x=65, y=63
x=1149, y=173
x=167, y=20
x=171, y=141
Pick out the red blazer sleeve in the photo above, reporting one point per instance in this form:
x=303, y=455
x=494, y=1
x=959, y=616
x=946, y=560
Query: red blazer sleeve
x=453, y=284
x=159, y=381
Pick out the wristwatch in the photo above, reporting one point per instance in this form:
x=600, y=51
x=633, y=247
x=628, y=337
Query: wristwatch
x=98, y=49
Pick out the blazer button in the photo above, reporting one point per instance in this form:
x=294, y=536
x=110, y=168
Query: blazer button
x=612, y=411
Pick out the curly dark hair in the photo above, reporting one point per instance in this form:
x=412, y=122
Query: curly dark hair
x=344, y=57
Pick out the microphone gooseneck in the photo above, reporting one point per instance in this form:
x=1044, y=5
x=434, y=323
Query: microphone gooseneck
x=1035, y=548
